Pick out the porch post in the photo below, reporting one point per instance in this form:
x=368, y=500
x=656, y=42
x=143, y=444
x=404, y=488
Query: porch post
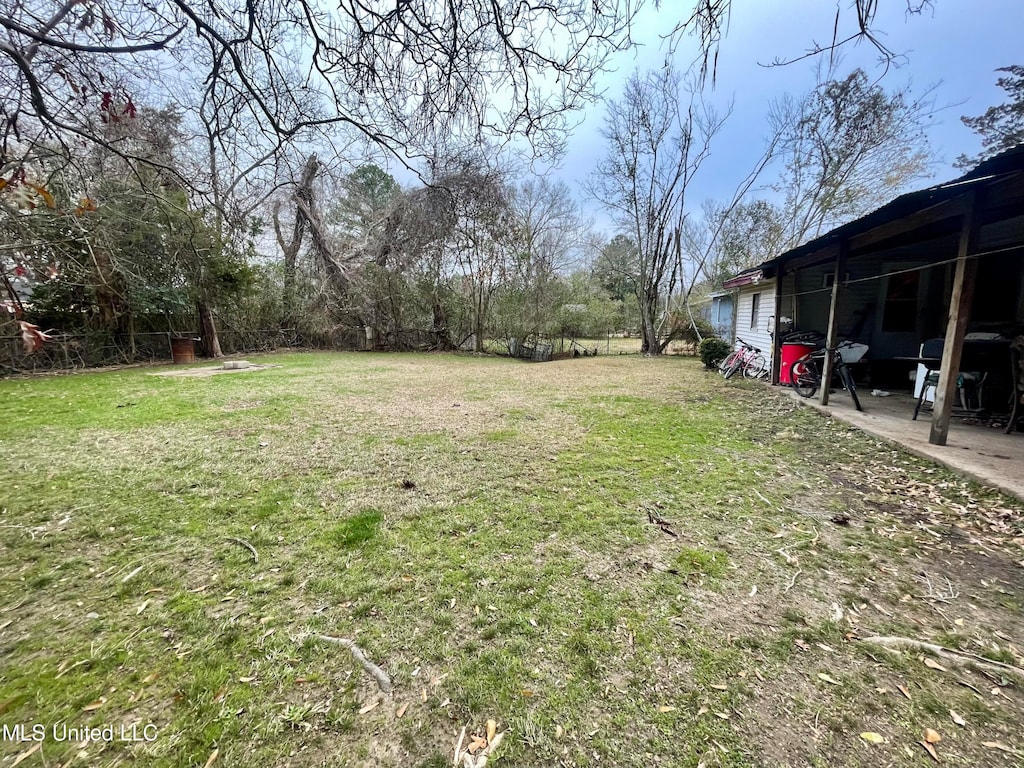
x=959, y=314
x=833, y=320
x=776, y=335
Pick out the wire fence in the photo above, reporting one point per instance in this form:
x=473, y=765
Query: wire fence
x=75, y=351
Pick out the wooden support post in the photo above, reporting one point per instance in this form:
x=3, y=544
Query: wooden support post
x=959, y=314
x=831, y=336
x=776, y=335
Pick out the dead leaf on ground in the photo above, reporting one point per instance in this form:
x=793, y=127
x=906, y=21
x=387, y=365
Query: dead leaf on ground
x=902, y=689
x=26, y=755
x=873, y=738
x=1000, y=746
x=95, y=705
x=369, y=707
x=401, y=710
x=212, y=758
x=932, y=736
x=956, y=718
x=932, y=664
x=930, y=750
x=828, y=679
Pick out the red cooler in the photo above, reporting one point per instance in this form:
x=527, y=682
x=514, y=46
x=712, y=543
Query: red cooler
x=790, y=354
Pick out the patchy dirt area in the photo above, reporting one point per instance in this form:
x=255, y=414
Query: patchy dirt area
x=211, y=370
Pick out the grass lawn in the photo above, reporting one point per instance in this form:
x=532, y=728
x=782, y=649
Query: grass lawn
x=621, y=561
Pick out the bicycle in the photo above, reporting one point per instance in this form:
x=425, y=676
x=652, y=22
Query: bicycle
x=805, y=373
x=747, y=359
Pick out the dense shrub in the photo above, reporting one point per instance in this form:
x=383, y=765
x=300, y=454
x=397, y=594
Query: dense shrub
x=712, y=351
x=696, y=330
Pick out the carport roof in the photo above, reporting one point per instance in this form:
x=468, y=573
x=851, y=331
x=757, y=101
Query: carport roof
x=995, y=168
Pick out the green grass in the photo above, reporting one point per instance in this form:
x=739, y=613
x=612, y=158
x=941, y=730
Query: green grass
x=483, y=529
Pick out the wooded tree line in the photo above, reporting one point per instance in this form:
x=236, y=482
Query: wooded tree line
x=175, y=167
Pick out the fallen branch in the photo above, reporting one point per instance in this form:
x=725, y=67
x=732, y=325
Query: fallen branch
x=964, y=658
x=247, y=545
x=792, y=581
x=662, y=523
x=458, y=746
x=376, y=672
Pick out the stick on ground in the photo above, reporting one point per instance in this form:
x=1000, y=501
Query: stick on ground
x=963, y=658
x=376, y=672
x=247, y=545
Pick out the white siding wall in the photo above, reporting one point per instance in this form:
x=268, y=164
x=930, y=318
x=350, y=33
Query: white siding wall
x=760, y=335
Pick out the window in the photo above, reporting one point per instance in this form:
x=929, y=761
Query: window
x=755, y=309
x=900, y=313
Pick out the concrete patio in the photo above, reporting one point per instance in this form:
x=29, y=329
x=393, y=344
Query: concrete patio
x=975, y=450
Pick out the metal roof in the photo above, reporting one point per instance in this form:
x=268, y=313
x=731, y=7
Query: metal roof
x=998, y=167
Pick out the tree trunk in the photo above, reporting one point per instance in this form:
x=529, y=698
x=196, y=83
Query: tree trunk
x=440, y=330
x=132, y=351
x=648, y=325
x=209, y=330
x=478, y=333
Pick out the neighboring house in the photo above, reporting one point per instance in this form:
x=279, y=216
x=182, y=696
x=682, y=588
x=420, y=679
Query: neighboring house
x=720, y=313
x=946, y=261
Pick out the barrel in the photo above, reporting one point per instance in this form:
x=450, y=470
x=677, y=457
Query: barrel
x=183, y=350
x=791, y=352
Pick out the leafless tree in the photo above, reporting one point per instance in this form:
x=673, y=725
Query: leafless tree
x=708, y=21
x=659, y=134
x=848, y=147
x=548, y=233
x=389, y=71
x=482, y=240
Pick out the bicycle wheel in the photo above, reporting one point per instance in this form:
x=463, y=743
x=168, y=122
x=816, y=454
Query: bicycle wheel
x=735, y=368
x=756, y=367
x=847, y=378
x=728, y=362
x=805, y=376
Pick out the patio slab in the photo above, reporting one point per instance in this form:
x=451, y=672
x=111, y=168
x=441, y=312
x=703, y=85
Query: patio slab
x=974, y=450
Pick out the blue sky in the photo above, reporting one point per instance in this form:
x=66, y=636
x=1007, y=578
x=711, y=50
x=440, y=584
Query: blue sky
x=958, y=44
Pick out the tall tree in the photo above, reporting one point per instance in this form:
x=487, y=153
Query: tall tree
x=848, y=146
x=391, y=71
x=736, y=238
x=546, y=229
x=1001, y=127
x=658, y=136
x=482, y=240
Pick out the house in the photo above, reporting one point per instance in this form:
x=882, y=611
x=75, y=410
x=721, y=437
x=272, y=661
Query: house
x=946, y=261
x=719, y=312
x=753, y=297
